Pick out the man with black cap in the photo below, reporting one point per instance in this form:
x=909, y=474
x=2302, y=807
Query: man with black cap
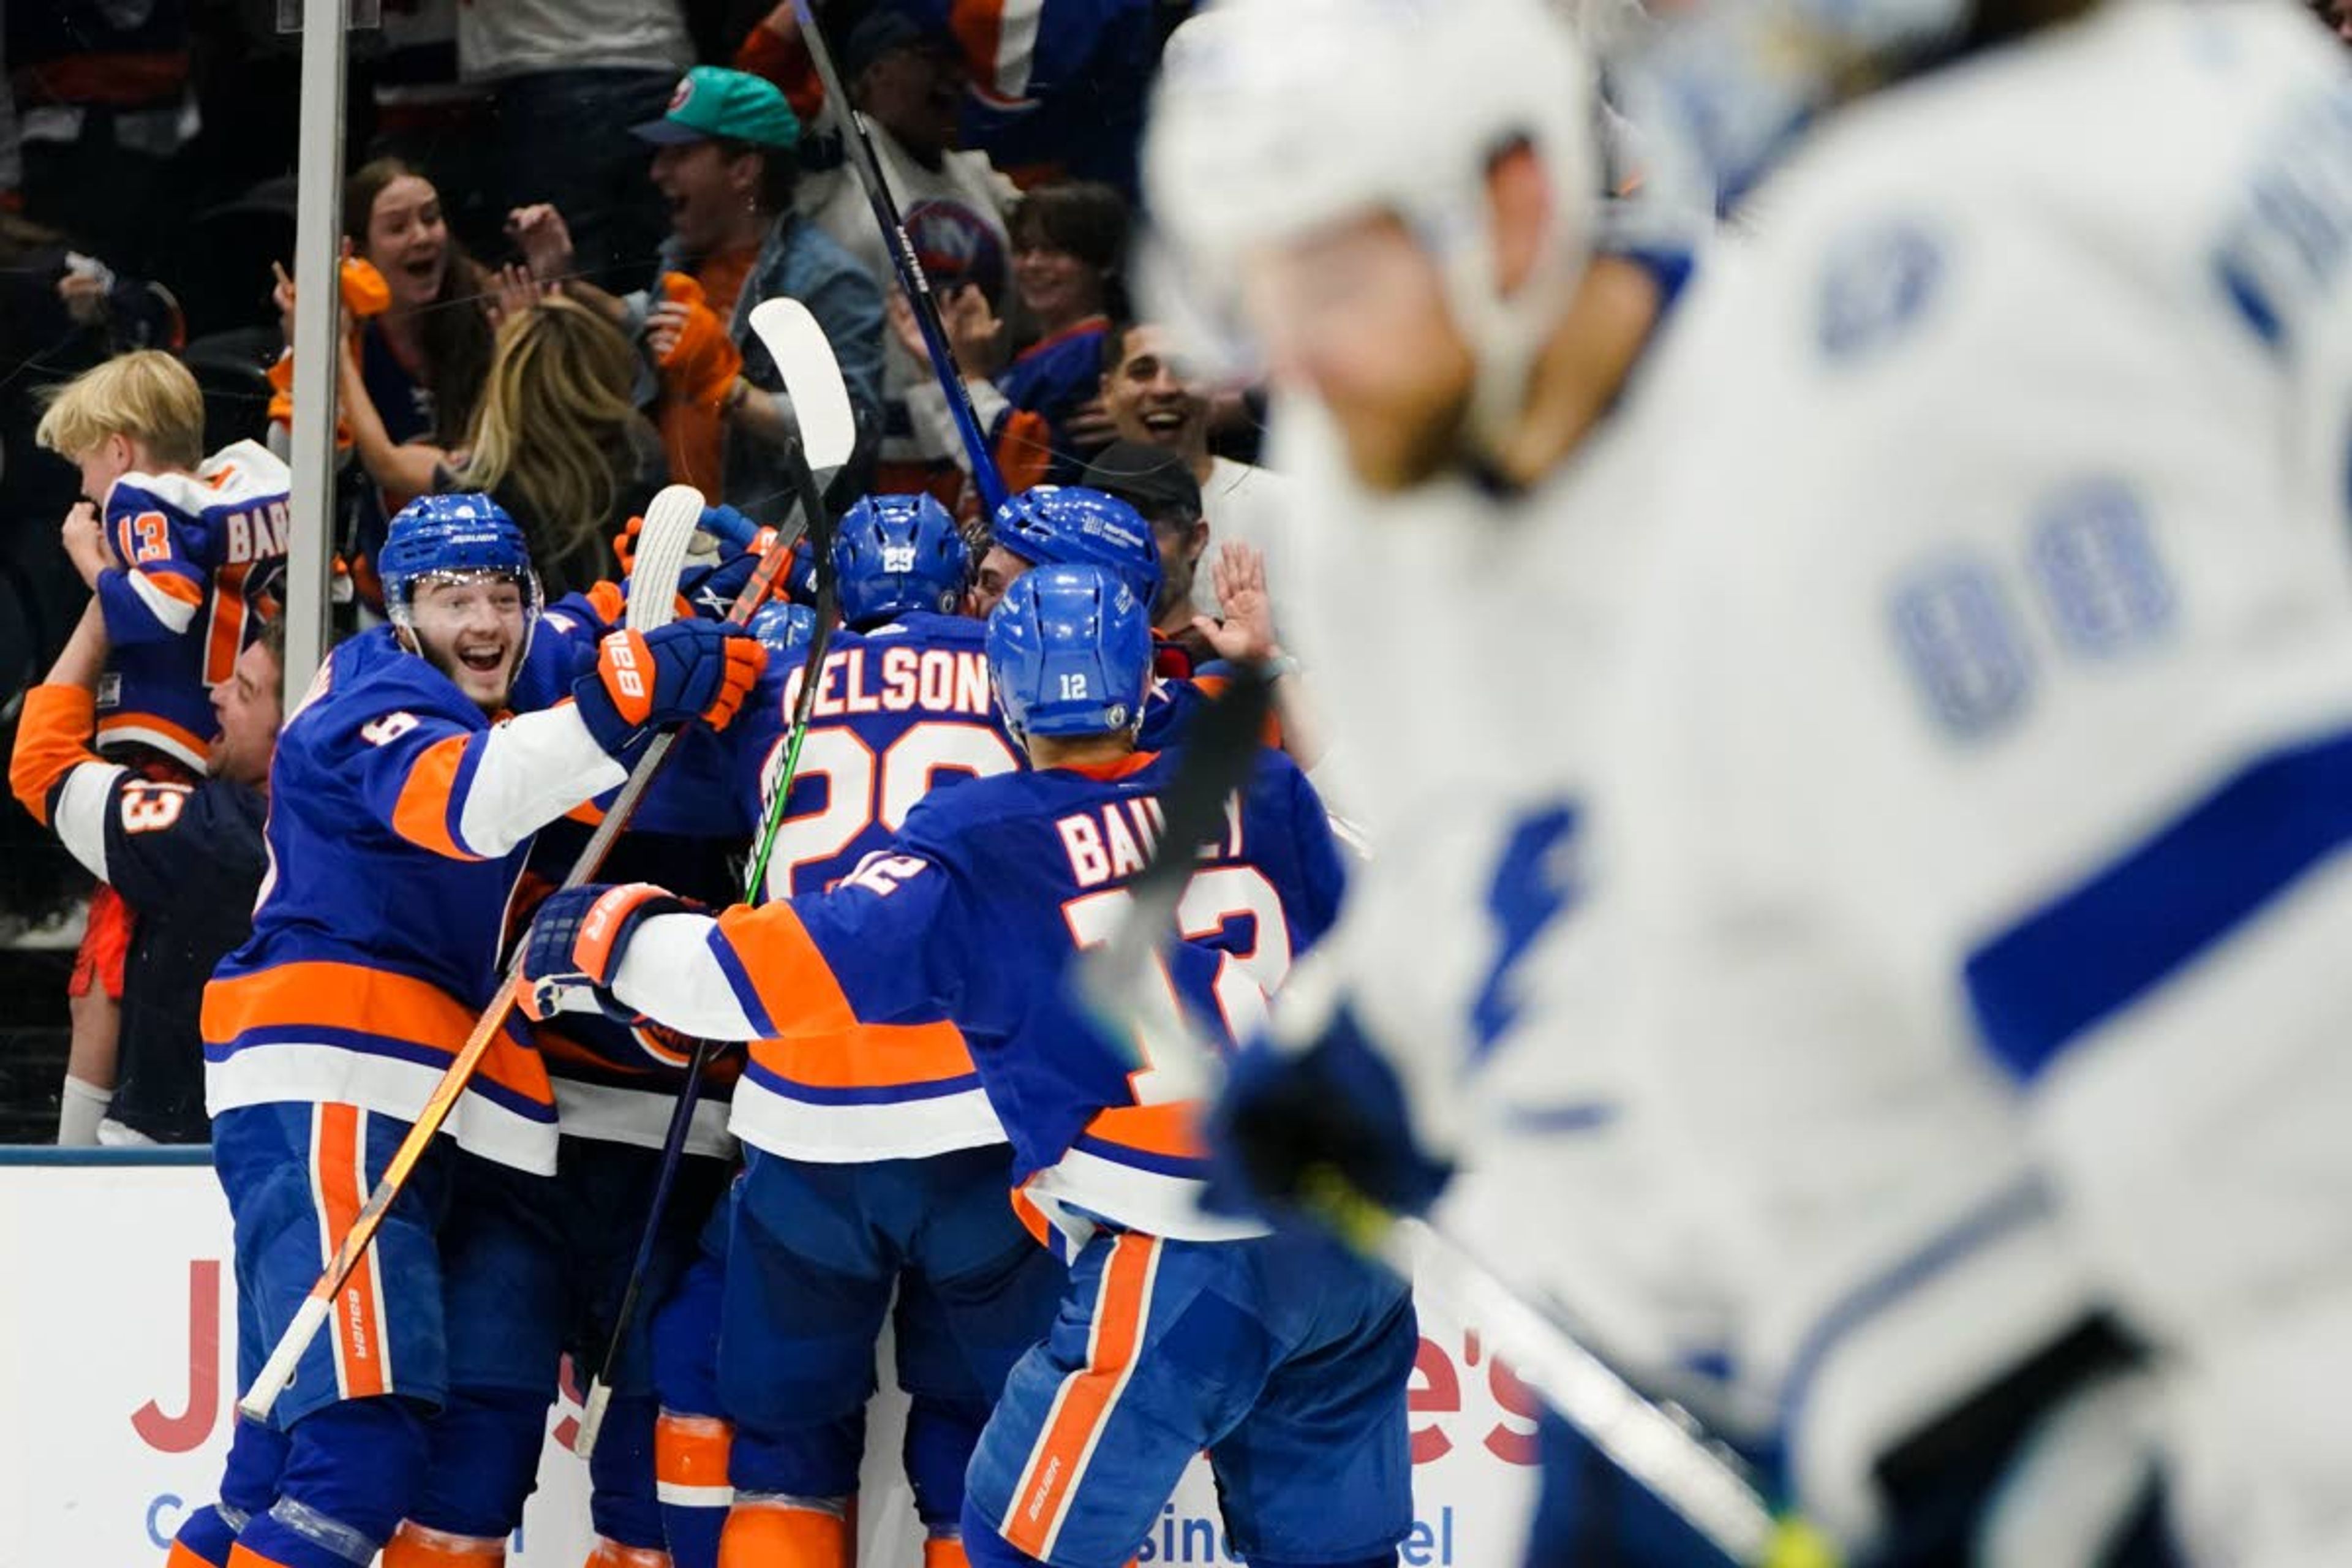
x=724, y=162
x=1159, y=484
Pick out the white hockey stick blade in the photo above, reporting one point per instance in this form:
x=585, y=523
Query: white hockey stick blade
x=671, y=521
x=811, y=379
x=591, y=1420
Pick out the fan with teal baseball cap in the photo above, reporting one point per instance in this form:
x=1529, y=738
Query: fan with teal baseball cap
x=712, y=102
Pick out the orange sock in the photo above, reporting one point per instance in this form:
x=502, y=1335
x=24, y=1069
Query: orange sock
x=611, y=1553
x=414, y=1546
x=181, y=1557
x=944, y=1551
x=784, y=1535
x=244, y=1556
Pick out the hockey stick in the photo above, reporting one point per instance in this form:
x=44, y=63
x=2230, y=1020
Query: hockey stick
x=824, y=432
x=917, y=284
x=279, y=1370
x=1707, y=1486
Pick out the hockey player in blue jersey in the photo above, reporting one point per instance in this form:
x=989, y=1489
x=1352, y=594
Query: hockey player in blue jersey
x=404, y=798
x=874, y=1164
x=1180, y=1331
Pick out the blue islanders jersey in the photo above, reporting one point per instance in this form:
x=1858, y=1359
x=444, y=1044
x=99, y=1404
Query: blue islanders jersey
x=399, y=821
x=901, y=710
x=1054, y=378
x=203, y=555
x=971, y=917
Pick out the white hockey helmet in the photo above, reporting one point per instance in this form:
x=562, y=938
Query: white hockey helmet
x=1272, y=119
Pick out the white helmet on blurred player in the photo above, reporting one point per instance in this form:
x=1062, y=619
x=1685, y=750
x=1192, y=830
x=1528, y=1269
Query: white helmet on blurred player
x=1274, y=119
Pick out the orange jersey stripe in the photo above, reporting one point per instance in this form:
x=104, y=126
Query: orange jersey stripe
x=1084, y=1406
x=336, y=1153
x=421, y=814
x=797, y=987
x=351, y=997
x=1174, y=1129
x=875, y=1056
x=195, y=745
x=171, y=585
x=225, y=638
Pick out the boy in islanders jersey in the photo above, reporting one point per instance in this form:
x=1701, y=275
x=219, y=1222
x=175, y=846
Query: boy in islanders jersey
x=404, y=798
x=873, y=1162
x=1180, y=1331
x=183, y=555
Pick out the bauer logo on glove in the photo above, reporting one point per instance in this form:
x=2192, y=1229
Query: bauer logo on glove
x=687, y=671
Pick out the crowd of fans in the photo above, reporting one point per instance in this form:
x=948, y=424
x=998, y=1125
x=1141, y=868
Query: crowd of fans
x=557, y=219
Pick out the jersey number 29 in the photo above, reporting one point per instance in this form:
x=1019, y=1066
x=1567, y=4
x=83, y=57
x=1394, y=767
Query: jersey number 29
x=863, y=788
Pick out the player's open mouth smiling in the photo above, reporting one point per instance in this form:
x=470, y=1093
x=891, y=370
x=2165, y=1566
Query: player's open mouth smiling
x=485, y=658
x=1164, y=420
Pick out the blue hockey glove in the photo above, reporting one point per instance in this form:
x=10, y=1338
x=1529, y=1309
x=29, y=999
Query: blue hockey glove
x=1289, y=1122
x=713, y=590
x=576, y=942
x=671, y=675
x=735, y=531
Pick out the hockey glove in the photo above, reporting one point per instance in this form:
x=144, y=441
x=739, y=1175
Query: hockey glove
x=575, y=944
x=711, y=591
x=701, y=367
x=671, y=675
x=1315, y=1134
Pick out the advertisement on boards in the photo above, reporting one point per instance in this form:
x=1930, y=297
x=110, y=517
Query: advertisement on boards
x=119, y=1379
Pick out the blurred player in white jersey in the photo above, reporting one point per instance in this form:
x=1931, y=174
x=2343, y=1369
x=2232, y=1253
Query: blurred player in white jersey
x=1453, y=324
x=1973, y=805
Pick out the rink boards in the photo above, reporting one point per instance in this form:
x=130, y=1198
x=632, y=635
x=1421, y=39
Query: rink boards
x=117, y=1372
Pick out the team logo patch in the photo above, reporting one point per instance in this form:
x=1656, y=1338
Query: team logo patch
x=678, y=99
x=1538, y=877
x=1878, y=282
x=956, y=247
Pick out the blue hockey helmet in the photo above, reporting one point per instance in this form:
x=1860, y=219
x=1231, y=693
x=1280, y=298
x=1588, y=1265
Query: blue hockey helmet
x=454, y=536
x=895, y=553
x=1070, y=525
x=1069, y=651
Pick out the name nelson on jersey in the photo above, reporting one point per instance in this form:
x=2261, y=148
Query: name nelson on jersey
x=899, y=680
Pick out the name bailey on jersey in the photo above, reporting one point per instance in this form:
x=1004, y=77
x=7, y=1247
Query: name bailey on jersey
x=1114, y=839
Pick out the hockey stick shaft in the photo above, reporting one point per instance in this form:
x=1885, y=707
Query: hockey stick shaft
x=906, y=262
x=681, y=1121
x=1712, y=1493
x=279, y=1370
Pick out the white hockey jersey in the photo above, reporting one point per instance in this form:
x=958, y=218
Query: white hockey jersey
x=1464, y=740
x=1983, y=756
